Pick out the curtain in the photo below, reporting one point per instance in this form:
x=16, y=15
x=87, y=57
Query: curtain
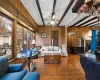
x=93, y=40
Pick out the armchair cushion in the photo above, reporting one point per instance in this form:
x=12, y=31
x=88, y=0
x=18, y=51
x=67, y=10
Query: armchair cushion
x=15, y=67
x=14, y=76
x=32, y=76
x=3, y=66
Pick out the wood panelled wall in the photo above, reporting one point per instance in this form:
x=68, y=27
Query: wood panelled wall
x=71, y=38
x=71, y=35
x=22, y=9
x=16, y=8
x=47, y=41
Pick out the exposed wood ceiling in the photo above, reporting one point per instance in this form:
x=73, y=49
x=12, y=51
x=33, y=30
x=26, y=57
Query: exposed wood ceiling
x=41, y=10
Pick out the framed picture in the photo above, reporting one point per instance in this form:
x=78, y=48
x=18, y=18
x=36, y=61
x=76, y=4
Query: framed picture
x=43, y=35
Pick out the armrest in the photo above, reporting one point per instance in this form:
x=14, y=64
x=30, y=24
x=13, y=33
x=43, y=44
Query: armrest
x=15, y=67
x=60, y=49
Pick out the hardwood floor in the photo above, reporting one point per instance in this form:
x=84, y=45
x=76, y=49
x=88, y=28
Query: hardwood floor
x=68, y=69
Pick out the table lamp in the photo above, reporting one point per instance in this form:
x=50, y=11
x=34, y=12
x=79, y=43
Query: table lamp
x=33, y=43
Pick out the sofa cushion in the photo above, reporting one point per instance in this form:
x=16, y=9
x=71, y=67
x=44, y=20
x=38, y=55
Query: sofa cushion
x=3, y=66
x=15, y=75
x=32, y=76
x=50, y=48
x=55, y=48
x=45, y=48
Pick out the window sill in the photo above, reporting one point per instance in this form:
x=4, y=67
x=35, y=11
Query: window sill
x=11, y=60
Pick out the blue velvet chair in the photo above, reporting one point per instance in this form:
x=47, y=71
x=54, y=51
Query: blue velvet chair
x=15, y=71
x=90, y=67
x=11, y=72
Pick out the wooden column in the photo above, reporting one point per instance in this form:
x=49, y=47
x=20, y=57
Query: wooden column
x=14, y=38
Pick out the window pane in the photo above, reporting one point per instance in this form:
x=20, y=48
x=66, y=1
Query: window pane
x=19, y=38
x=5, y=36
x=25, y=38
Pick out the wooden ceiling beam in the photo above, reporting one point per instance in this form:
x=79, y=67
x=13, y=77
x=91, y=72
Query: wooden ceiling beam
x=54, y=5
x=80, y=21
x=90, y=23
x=94, y=25
x=39, y=8
x=68, y=7
x=87, y=21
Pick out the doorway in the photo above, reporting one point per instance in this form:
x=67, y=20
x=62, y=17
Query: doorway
x=54, y=38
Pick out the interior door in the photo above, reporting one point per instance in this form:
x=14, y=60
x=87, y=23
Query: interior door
x=54, y=38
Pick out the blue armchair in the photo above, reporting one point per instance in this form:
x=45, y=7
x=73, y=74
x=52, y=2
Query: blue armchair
x=15, y=71
x=91, y=68
x=11, y=72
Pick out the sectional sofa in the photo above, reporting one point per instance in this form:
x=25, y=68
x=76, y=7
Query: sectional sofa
x=91, y=67
x=51, y=49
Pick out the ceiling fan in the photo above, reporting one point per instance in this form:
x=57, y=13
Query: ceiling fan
x=52, y=19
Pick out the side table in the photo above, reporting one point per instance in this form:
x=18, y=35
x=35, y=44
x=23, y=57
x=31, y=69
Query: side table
x=28, y=60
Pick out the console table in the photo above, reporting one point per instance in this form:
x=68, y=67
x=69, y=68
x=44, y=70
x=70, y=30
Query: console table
x=76, y=50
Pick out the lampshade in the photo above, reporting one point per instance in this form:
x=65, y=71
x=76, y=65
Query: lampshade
x=33, y=42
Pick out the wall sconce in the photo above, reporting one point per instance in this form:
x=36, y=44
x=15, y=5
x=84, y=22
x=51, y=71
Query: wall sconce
x=71, y=33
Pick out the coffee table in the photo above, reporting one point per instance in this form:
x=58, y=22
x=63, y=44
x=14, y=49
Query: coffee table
x=50, y=58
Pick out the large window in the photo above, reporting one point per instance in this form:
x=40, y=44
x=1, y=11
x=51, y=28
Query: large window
x=24, y=38
x=5, y=36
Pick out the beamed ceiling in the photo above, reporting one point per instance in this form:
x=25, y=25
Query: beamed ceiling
x=40, y=10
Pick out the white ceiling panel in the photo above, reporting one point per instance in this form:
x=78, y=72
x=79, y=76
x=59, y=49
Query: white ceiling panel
x=31, y=7
x=69, y=16
x=78, y=18
x=95, y=24
x=60, y=8
x=85, y=20
x=46, y=9
x=90, y=22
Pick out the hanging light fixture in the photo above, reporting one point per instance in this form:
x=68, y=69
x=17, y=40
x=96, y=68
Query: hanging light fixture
x=52, y=21
x=91, y=7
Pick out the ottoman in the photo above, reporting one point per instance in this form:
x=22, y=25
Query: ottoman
x=32, y=76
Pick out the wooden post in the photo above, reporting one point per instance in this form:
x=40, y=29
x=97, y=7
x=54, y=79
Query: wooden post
x=14, y=39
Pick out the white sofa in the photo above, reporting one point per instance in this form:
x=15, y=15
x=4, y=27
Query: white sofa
x=50, y=49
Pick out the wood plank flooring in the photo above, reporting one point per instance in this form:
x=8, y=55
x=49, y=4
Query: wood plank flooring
x=68, y=69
